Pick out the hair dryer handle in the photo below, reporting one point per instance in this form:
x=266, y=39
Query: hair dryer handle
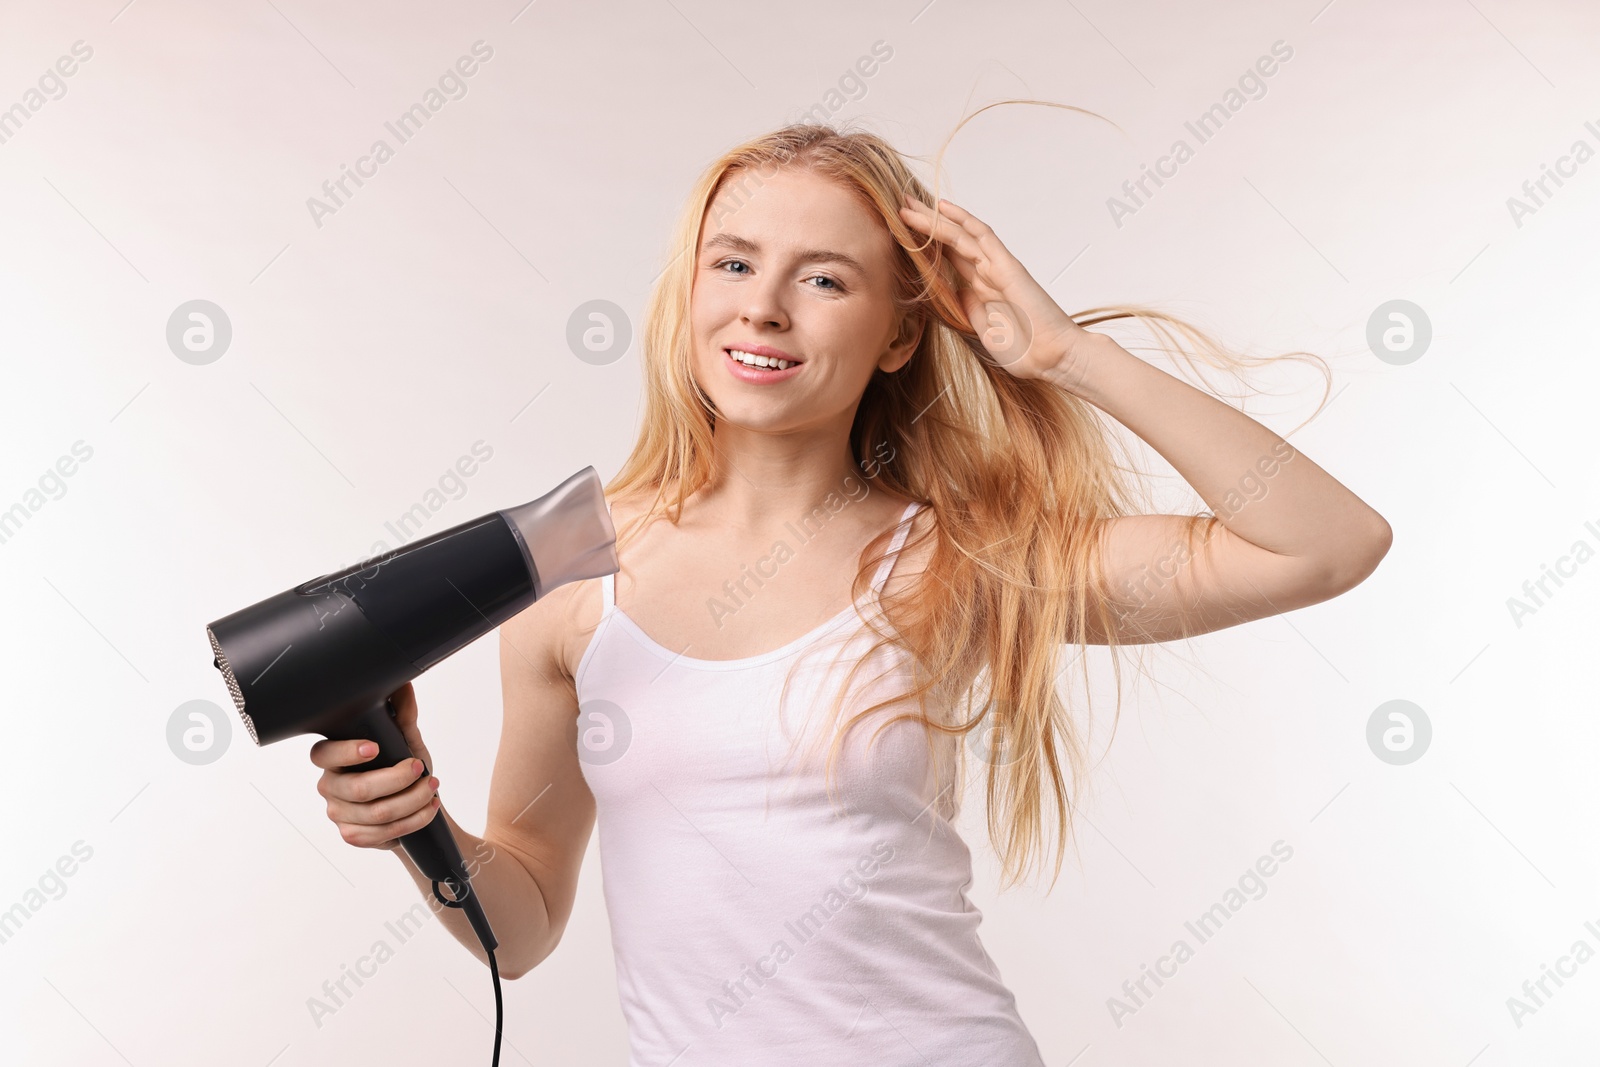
x=433, y=848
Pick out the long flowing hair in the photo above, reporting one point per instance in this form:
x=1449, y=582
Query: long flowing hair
x=1019, y=475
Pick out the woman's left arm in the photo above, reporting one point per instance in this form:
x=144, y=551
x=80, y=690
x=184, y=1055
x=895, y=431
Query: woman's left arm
x=1288, y=533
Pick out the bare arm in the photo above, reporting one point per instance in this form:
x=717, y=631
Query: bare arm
x=1286, y=534
x=1294, y=538
x=508, y=894
x=541, y=813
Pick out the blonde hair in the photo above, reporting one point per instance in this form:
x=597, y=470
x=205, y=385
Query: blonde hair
x=1017, y=474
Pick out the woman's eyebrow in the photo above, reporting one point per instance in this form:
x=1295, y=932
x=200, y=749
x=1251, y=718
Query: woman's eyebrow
x=808, y=255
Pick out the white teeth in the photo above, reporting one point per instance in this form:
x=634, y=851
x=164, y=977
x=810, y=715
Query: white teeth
x=759, y=361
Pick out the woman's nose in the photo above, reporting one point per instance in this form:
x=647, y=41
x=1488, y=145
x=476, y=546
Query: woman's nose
x=763, y=304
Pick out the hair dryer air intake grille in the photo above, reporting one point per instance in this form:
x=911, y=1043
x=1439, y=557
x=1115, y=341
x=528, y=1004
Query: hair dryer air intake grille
x=221, y=662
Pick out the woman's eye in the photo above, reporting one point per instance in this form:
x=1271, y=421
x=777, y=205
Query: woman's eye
x=833, y=285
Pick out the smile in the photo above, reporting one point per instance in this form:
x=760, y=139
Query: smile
x=759, y=369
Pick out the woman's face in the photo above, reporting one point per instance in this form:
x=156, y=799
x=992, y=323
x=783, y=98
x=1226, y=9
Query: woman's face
x=792, y=264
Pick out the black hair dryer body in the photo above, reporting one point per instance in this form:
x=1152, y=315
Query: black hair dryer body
x=323, y=657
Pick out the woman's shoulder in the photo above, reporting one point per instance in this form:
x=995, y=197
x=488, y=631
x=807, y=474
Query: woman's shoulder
x=629, y=506
x=572, y=611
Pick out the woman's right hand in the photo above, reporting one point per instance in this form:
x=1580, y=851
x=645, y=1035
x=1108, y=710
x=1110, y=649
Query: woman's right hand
x=374, y=809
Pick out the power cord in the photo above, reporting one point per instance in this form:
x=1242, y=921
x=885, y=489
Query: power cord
x=460, y=900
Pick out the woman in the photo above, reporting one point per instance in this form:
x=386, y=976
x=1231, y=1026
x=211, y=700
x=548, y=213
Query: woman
x=869, y=431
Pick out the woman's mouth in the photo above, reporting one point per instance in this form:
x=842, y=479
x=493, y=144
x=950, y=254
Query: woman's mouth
x=758, y=369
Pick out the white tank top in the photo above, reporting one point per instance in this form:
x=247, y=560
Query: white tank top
x=752, y=920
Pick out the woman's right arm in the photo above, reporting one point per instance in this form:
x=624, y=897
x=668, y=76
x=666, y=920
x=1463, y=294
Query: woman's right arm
x=525, y=867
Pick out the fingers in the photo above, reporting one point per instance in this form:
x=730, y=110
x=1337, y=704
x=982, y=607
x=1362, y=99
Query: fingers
x=337, y=755
x=959, y=215
x=385, y=835
x=361, y=787
x=373, y=808
x=959, y=220
x=957, y=233
x=384, y=808
x=333, y=755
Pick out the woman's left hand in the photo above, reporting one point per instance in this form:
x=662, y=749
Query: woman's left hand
x=1021, y=327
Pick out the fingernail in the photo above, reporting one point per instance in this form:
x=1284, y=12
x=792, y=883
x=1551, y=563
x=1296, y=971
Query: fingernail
x=368, y=748
x=433, y=783
x=416, y=767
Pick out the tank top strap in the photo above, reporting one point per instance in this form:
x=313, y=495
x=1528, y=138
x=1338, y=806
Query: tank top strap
x=608, y=594
x=895, y=545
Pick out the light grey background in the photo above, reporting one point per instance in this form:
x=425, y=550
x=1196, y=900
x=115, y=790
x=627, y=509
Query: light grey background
x=431, y=311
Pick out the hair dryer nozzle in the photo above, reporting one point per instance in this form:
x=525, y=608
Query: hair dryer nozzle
x=566, y=534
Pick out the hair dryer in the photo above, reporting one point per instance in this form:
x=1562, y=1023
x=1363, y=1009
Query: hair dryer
x=323, y=657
